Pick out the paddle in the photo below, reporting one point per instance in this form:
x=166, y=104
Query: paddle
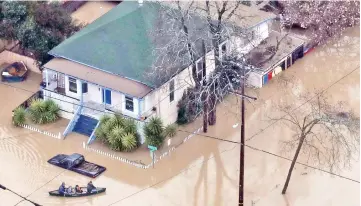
x=4, y=188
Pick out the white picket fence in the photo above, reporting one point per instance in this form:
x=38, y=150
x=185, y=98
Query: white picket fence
x=56, y=136
x=136, y=164
x=85, y=146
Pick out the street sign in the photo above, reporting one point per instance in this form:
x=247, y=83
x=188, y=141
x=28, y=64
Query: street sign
x=152, y=148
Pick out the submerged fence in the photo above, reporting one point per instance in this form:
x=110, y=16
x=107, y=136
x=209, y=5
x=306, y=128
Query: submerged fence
x=135, y=163
x=56, y=136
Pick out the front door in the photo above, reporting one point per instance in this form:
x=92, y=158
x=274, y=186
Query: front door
x=107, y=96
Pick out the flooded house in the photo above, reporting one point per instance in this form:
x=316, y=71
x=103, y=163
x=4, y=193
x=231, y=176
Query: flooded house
x=275, y=54
x=114, y=65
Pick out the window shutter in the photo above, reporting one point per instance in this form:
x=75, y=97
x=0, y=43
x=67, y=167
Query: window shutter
x=85, y=87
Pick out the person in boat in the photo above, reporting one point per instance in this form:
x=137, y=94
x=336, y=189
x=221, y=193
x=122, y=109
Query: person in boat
x=78, y=189
x=69, y=190
x=90, y=187
x=62, y=188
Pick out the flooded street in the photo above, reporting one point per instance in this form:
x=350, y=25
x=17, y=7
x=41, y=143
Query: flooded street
x=203, y=171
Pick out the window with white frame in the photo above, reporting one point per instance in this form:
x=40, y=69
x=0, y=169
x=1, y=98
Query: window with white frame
x=171, y=90
x=72, y=85
x=129, y=104
x=200, y=69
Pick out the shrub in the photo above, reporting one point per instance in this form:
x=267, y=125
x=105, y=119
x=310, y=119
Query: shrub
x=154, y=132
x=100, y=132
x=115, y=138
x=170, y=130
x=119, y=133
x=19, y=117
x=42, y=112
x=129, y=142
x=129, y=126
x=104, y=119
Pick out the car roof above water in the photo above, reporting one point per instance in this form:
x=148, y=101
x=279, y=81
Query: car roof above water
x=74, y=157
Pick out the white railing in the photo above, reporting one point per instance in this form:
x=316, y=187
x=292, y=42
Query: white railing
x=92, y=136
x=72, y=122
x=66, y=103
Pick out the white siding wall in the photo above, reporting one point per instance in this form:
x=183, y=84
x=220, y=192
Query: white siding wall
x=94, y=94
x=160, y=99
x=210, y=63
x=242, y=45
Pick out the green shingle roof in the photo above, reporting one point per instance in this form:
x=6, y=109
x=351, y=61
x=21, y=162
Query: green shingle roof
x=125, y=41
x=117, y=42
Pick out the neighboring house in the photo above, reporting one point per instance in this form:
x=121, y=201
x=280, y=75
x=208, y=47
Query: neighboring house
x=103, y=68
x=267, y=64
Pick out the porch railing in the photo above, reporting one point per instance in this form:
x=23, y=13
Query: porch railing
x=66, y=103
x=72, y=122
x=92, y=136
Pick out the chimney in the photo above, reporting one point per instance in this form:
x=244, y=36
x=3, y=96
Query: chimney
x=140, y=2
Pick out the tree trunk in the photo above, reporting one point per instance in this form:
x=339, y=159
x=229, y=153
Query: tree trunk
x=212, y=110
x=205, y=96
x=215, y=44
x=205, y=116
x=293, y=164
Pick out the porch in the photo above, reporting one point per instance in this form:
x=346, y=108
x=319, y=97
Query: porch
x=53, y=81
x=96, y=110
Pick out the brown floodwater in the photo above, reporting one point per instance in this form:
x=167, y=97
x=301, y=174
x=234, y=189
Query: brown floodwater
x=203, y=171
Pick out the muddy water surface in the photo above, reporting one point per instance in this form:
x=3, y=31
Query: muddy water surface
x=203, y=171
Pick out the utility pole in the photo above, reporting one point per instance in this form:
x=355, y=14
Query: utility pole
x=241, y=158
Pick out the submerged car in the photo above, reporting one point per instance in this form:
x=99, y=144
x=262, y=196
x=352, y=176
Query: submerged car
x=76, y=163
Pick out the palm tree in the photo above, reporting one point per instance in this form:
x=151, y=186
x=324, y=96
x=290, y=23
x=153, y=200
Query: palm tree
x=42, y=112
x=114, y=137
x=130, y=126
x=19, y=117
x=118, y=132
x=170, y=130
x=154, y=132
x=129, y=142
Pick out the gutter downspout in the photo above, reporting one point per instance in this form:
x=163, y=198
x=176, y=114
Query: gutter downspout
x=140, y=107
x=103, y=91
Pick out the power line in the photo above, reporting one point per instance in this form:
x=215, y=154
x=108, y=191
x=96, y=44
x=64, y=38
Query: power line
x=322, y=91
x=171, y=177
x=23, y=198
x=270, y=153
x=42, y=186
